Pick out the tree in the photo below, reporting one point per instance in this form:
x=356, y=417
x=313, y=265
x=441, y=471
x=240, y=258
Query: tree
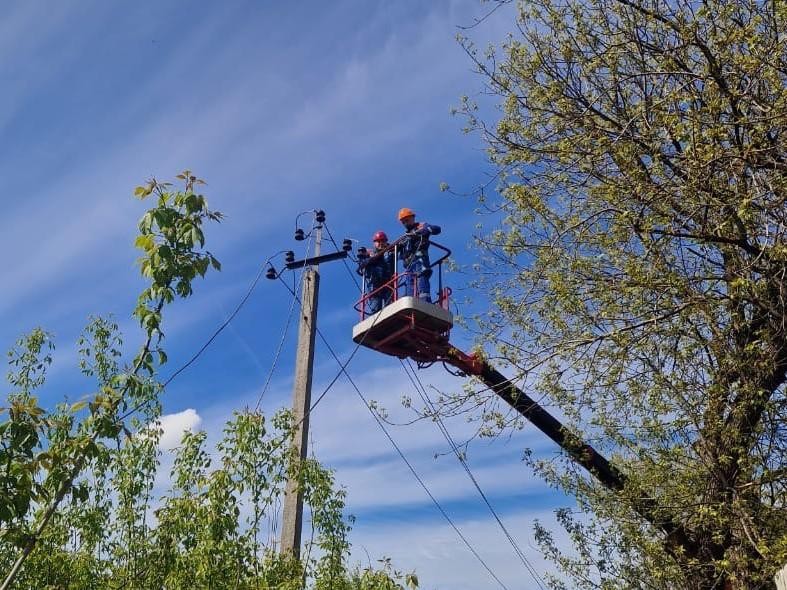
x=640, y=272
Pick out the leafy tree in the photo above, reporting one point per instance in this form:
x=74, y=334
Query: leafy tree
x=640, y=273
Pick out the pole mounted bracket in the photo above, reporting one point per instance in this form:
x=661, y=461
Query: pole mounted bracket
x=314, y=260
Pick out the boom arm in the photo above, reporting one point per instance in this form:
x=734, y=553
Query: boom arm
x=677, y=539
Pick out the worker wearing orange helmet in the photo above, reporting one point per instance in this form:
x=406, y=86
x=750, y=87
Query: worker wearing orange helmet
x=376, y=270
x=415, y=255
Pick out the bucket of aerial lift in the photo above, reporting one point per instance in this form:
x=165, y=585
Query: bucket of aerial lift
x=408, y=327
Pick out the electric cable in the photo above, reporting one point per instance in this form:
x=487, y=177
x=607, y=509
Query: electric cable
x=414, y=472
x=347, y=266
x=421, y=390
x=280, y=346
x=343, y=366
x=221, y=328
x=210, y=340
x=343, y=370
x=276, y=355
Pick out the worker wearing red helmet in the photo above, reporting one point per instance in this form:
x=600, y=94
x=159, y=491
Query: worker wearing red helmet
x=377, y=270
x=415, y=254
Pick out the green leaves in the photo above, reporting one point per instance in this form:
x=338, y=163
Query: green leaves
x=171, y=239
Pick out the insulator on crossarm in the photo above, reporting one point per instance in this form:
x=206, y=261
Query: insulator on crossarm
x=289, y=256
x=347, y=245
x=319, y=216
x=270, y=273
x=362, y=252
x=299, y=236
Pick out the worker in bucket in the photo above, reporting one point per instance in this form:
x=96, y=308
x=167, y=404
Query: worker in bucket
x=415, y=255
x=377, y=269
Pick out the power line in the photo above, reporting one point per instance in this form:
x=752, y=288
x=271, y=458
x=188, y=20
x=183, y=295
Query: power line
x=528, y=566
x=417, y=477
x=425, y=398
x=342, y=366
x=226, y=323
x=280, y=346
x=347, y=266
x=276, y=355
x=210, y=340
x=421, y=390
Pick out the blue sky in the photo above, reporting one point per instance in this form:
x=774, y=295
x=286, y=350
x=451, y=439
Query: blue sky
x=281, y=107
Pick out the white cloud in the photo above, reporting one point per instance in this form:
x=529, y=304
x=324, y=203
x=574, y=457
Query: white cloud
x=174, y=425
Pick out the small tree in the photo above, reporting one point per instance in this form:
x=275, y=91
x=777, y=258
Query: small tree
x=639, y=277
x=43, y=456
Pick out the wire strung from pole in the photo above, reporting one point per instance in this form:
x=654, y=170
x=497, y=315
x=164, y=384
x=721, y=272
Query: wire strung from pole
x=283, y=338
x=423, y=485
x=276, y=355
x=421, y=390
x=221, y=328
x=343, y=366
x=353, y=276
x=212, y=337
x=401, y=454
x=226, y=323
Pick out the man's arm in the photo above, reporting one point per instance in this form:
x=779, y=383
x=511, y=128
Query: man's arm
x=426, y=229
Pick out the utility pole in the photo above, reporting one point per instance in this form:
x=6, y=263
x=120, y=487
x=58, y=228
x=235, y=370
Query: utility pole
x=292, y=512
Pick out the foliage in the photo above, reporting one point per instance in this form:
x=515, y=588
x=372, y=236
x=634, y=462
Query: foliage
x=205, y=531
x=639, y=276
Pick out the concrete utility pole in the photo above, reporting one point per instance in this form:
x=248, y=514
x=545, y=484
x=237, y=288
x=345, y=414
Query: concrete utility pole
x=292, y=512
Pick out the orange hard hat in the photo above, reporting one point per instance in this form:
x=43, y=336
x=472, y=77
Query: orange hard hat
x=405, y=212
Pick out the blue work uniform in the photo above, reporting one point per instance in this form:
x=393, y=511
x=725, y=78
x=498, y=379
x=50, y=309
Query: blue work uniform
x=415, y=258
x=377, y=270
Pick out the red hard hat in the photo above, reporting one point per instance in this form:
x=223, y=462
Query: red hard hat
x=379, y=237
